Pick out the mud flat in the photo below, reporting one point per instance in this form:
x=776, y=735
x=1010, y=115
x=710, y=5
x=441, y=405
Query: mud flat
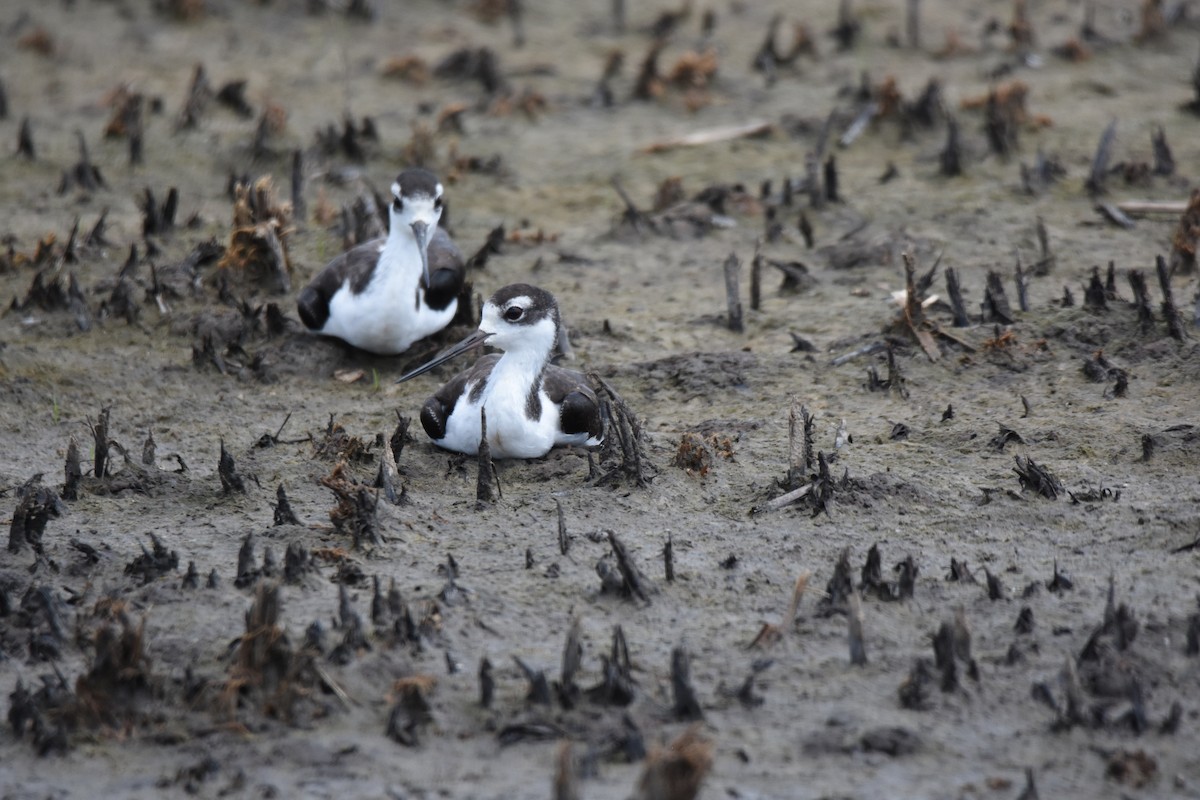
x=867, y=548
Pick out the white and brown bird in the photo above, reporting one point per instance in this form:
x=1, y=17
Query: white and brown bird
x=531, y=404
x=386, y=294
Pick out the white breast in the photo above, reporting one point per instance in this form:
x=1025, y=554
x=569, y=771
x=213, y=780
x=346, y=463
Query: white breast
x=386, y=317
x=510, y=433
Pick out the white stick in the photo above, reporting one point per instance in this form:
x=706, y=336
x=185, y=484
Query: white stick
x=1153, y=207
x=709, y=136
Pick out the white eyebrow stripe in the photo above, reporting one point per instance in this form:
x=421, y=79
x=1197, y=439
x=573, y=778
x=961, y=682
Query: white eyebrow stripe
x=396, y=189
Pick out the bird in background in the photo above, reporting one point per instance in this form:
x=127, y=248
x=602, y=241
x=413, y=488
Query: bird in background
x=383, y=295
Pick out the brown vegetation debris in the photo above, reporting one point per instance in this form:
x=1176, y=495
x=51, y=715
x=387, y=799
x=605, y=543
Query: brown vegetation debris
x=528, y=236
x=696, y=452
x=266, y=667
x=409, y=68
x=1073, y=50
x=258, y=242
x=356, y=512
x=771, y=633
x=694, y=70
x=1134, y=768
x=126, y=113
x=491, y=12
x=38, y=40
x=676, y=772
x=410, y=708
x=1154, y=22
x=450, y=118
x=1021, y=29
x=1187, y=237
x=118, y=676
x=421, y=150
x=650, y=84
x=529, y=102
x=953, y=46
x=274, y=119
x=887, y=94
x=184, y=10
x=669, y=193
x=1009, y=100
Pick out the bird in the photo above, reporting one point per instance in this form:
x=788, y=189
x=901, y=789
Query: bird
x=532, y=405
x=386, y=294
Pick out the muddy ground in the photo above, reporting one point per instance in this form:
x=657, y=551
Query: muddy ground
x=126, y=678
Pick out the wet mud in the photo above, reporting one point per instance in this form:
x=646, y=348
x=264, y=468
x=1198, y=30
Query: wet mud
x=860, y=549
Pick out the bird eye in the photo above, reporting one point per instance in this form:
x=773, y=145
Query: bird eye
x=514, y=313
x=397, y=205
x=438, y=204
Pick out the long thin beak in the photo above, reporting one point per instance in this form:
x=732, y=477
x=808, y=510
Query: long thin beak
x=420, y=231
x=470, y=343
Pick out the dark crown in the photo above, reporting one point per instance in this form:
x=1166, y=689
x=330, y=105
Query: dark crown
x=416, y=181
x=542, y=303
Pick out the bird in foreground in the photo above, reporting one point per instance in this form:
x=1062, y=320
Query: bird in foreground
x=531, y=404
x=385, y=294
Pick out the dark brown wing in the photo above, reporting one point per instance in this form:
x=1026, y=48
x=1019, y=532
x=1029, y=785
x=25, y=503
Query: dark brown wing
x=447, y=271
x=437, y=409
x=579, y=410
x=356, y=264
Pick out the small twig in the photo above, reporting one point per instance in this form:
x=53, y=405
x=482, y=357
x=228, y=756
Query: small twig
x=789, y=498
x=860, y=123
x=1152, y=206
x=1170, y=312
x=961, y=320
x=756, y=277
x=331, y=684
x=733, y=269
x=866, y=350
x=1095, y=181
x=709, y=136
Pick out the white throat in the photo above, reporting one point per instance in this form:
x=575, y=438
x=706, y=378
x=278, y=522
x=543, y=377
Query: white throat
x=399, y=274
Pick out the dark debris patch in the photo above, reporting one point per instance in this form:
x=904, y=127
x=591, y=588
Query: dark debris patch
x=231, y=481
x=338, y=445
x=354, y=636
x=116, y=692
x=625, y=440
x=283, y=514
x=1005, y=437
x=154, y=563
x=873, y=582
x=50, y=290
x=677, y=771
x=357, y=509
x=1094, y=494
x=620, y=574
x=1108, y=685
x=118, y=688
x=893, y=741
x=960, y=572
x=1032, y=475
x=268, y=674
x=411, y=712
x=836, y=599
x=952, y=652
x=41, y=612
x=36, y=505
x=685, y=705
x=617, y=687
x=46, y=714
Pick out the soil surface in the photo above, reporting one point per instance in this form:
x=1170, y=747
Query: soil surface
x=1064, y=624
